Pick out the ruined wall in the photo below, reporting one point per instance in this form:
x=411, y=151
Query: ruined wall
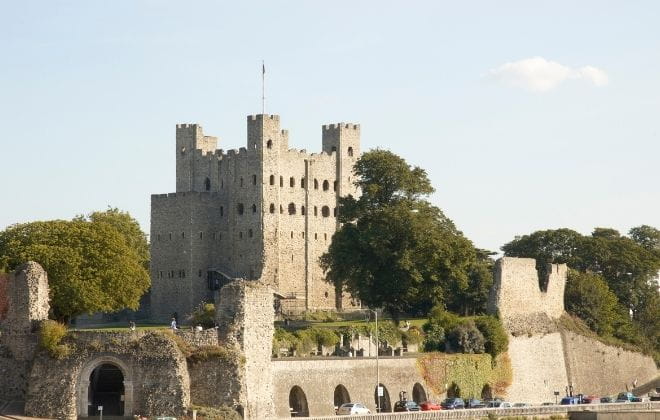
x=214, y=383
x=155, y=375
x=599, y=369
x=27, y=305
x=245, y=317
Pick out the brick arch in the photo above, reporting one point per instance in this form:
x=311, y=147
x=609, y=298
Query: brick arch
x=82, y=388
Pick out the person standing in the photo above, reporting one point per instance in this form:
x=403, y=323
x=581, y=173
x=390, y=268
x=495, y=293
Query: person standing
x=173, y=324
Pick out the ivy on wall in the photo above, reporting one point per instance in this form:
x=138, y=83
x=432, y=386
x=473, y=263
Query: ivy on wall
x=468, y=373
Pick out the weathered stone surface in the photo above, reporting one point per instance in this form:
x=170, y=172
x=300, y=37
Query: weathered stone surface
x=156, y=380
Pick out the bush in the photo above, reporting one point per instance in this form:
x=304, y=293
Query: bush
x=493, y=331
x=435, y=337
x=51, y=335
x=465, y=338
x=413, y=336
x=324, y=336
x=204, y=315
x=388, y=333
x=203, y=353
x=283, y=339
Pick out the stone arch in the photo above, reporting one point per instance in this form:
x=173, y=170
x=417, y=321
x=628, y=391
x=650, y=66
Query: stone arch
x=350, y=151
x=269, y=144
x=298, y=402
x=325, y=211
x=418, y=393
x=486, y=392
x=385, y=403
x=341, y=395
x=84, y=385
x=454, y=391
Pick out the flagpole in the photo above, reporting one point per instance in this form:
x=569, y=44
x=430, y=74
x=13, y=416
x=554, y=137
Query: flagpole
x=263, y=87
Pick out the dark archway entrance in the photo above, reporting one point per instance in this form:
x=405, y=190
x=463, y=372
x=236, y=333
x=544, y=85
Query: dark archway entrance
x=298, y=403
x=341, y=395
x=486, y=392
x=385, y=404
x=106, y=389
x=453, y=391
x=419, y=395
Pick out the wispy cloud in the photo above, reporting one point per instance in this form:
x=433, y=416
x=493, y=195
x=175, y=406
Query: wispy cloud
x=540, y=75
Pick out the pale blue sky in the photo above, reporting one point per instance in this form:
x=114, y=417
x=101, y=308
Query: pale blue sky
x=90, y=92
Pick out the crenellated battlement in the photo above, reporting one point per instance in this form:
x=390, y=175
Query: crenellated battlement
x=341, y=125
x=185, y=126
x=263, y=116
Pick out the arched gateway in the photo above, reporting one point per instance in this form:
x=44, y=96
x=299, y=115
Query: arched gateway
x=105, y=381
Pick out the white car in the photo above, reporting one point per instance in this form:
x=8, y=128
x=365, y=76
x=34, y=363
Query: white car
x=352, y=408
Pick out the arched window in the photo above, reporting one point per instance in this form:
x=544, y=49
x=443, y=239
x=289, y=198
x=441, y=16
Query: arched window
x=292, y=182
x=316, y=211
x=254, y=208
x=239, y=208
x=254, y=180
x=272, y=208
x=316, y=184
x=302, y=182
x=325, y=211
x=272, y=180
x=292, y=208
x=350, y=151
x=302, y=210
x=326, y=185
x=269, y=144
x=281, y=181
x=207, y=184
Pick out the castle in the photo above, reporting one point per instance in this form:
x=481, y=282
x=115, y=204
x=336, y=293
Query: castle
x=264, y=212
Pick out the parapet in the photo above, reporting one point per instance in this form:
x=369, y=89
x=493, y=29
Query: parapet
x=341, y=125
x=263, y=116
x=516, y=291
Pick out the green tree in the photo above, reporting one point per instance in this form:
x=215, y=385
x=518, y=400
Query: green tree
x=397, y=251
x=465, y=338
x=496, y=339
x=91, y=266
x=588, y=297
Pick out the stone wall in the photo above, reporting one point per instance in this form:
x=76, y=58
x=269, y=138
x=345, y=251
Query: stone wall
x=208, y=337
x=245, y=316
x=216, y=382
x=517, y=293
x=154, y=372
x=598, y=369
x=27, y=305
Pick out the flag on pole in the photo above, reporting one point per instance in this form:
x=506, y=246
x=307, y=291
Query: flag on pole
x=263, y=68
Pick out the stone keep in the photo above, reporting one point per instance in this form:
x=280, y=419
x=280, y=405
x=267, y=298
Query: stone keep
x=264, y=212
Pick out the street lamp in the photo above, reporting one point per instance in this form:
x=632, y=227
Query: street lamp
x=377, y=366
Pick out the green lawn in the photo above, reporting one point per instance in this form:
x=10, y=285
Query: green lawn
x=122, y=327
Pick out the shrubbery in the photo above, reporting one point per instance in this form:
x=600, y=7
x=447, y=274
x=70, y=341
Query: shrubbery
x=51, y=335
x=305, y=340
x=446, y=331
x=204, y=315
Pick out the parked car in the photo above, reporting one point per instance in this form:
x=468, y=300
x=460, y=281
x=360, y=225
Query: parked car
x=430, y=406
x=348, y=409
x=520, y=405
x=453, y=404
x=606, y=400
x=569, y=401
x=624, y=397
x=640, y=399
x=401, y=406
x=590, y=399
x=499, y=404
x=474, y=403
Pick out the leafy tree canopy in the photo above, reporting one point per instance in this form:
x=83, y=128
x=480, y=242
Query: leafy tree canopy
x=397, y=251
x=92, y=266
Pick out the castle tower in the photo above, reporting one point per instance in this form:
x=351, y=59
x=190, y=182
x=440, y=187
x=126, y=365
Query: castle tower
x=264, y=212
